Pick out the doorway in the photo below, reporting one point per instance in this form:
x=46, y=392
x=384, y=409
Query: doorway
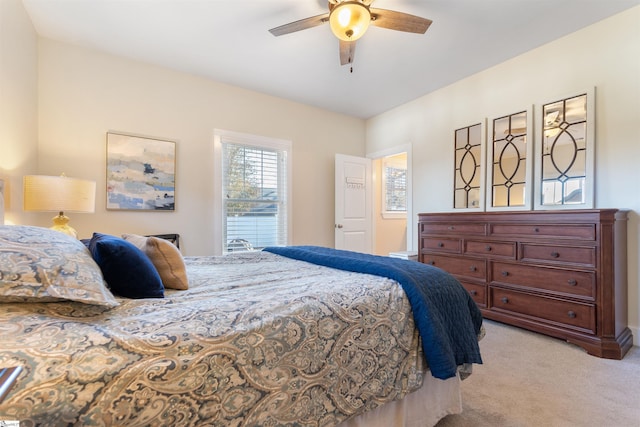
x=391, y=201
x=362, y=221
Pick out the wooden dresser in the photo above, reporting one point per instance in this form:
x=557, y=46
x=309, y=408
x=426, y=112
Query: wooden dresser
x=560, y=273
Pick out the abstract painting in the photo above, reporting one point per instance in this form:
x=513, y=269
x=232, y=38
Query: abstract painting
x=140, y=173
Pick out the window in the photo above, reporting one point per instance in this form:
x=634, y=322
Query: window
x=255, y=184
x=394, y=186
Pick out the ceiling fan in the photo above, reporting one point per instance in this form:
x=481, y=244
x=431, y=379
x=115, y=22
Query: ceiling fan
x=349, y=19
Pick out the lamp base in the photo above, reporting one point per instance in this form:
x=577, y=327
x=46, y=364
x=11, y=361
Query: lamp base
x=60, y=223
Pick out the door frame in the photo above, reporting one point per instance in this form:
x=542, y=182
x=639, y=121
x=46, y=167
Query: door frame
x=411, y=224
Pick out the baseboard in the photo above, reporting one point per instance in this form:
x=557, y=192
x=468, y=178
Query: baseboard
x=635, y=331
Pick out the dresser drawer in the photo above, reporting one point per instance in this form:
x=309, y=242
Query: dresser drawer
x=442, y=244
x=478, y=293
x=477, y=229
x=491, y=249
x=551, y=231
x=558, y=254
x=459, y=266
x=568, y=313
x=554, y=280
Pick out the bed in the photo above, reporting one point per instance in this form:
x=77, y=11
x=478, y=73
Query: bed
x=257, y=338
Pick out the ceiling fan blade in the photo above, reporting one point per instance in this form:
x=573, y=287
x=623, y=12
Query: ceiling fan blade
x=347, y=52
x=302, y=24
x=399, y=21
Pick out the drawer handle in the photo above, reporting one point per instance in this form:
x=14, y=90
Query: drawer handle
x=473, y=292
x=536, y=229
x=572, y=282
x=488, y=248
x=432, y=262
x=451, y=227
x=571, y=314
x=440, y=244
x=505, y=300
x=473, y=268
x=504, y=273
x=555, y=254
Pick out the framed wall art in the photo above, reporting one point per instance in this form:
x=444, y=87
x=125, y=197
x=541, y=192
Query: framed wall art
x=469, y=147
x=510, y=161
x=565, y=153
x=140, y=173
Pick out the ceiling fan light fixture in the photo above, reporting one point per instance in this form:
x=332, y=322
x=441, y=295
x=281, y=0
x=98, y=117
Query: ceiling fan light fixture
x=349, y=20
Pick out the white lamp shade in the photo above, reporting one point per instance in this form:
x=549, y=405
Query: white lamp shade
x=1, y=202
x=59, y=194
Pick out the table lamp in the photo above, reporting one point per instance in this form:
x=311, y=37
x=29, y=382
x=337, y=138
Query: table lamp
x=1, y=202
x=59, y=194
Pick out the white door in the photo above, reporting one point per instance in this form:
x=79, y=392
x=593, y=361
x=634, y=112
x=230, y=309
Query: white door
x=353, y=204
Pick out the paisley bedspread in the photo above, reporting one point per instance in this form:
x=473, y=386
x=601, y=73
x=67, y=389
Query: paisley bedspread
x=256, y=340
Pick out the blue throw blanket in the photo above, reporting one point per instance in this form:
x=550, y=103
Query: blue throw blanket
x=446, y=317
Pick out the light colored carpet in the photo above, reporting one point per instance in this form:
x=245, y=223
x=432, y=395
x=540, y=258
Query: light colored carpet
x=530, y=380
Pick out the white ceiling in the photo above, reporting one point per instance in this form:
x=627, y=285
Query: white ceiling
x=229, y=41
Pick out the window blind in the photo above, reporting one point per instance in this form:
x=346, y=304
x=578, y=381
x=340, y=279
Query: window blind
x=255, y=206
x=395, y=189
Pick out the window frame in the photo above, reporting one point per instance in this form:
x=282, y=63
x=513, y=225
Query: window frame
x=388, y=161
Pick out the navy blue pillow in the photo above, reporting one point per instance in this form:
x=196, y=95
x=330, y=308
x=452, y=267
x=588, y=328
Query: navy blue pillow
x=126, y=269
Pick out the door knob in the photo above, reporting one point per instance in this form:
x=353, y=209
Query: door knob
x=338, y=225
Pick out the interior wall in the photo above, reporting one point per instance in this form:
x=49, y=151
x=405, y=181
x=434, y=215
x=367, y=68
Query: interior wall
x=18, y=103
x=83, y=94
x=605, y=55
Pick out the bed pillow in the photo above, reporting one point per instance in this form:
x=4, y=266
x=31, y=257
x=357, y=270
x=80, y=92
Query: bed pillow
x=42, y=265
x=127, y=270
x=165, y=256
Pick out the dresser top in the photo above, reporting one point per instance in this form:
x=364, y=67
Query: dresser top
x=552, y=216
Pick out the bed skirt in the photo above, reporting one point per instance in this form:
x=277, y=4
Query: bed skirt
x=422, y=408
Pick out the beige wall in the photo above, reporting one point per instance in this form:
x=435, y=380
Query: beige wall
x=605, y=55
x=83, y=94
x=18, y=103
